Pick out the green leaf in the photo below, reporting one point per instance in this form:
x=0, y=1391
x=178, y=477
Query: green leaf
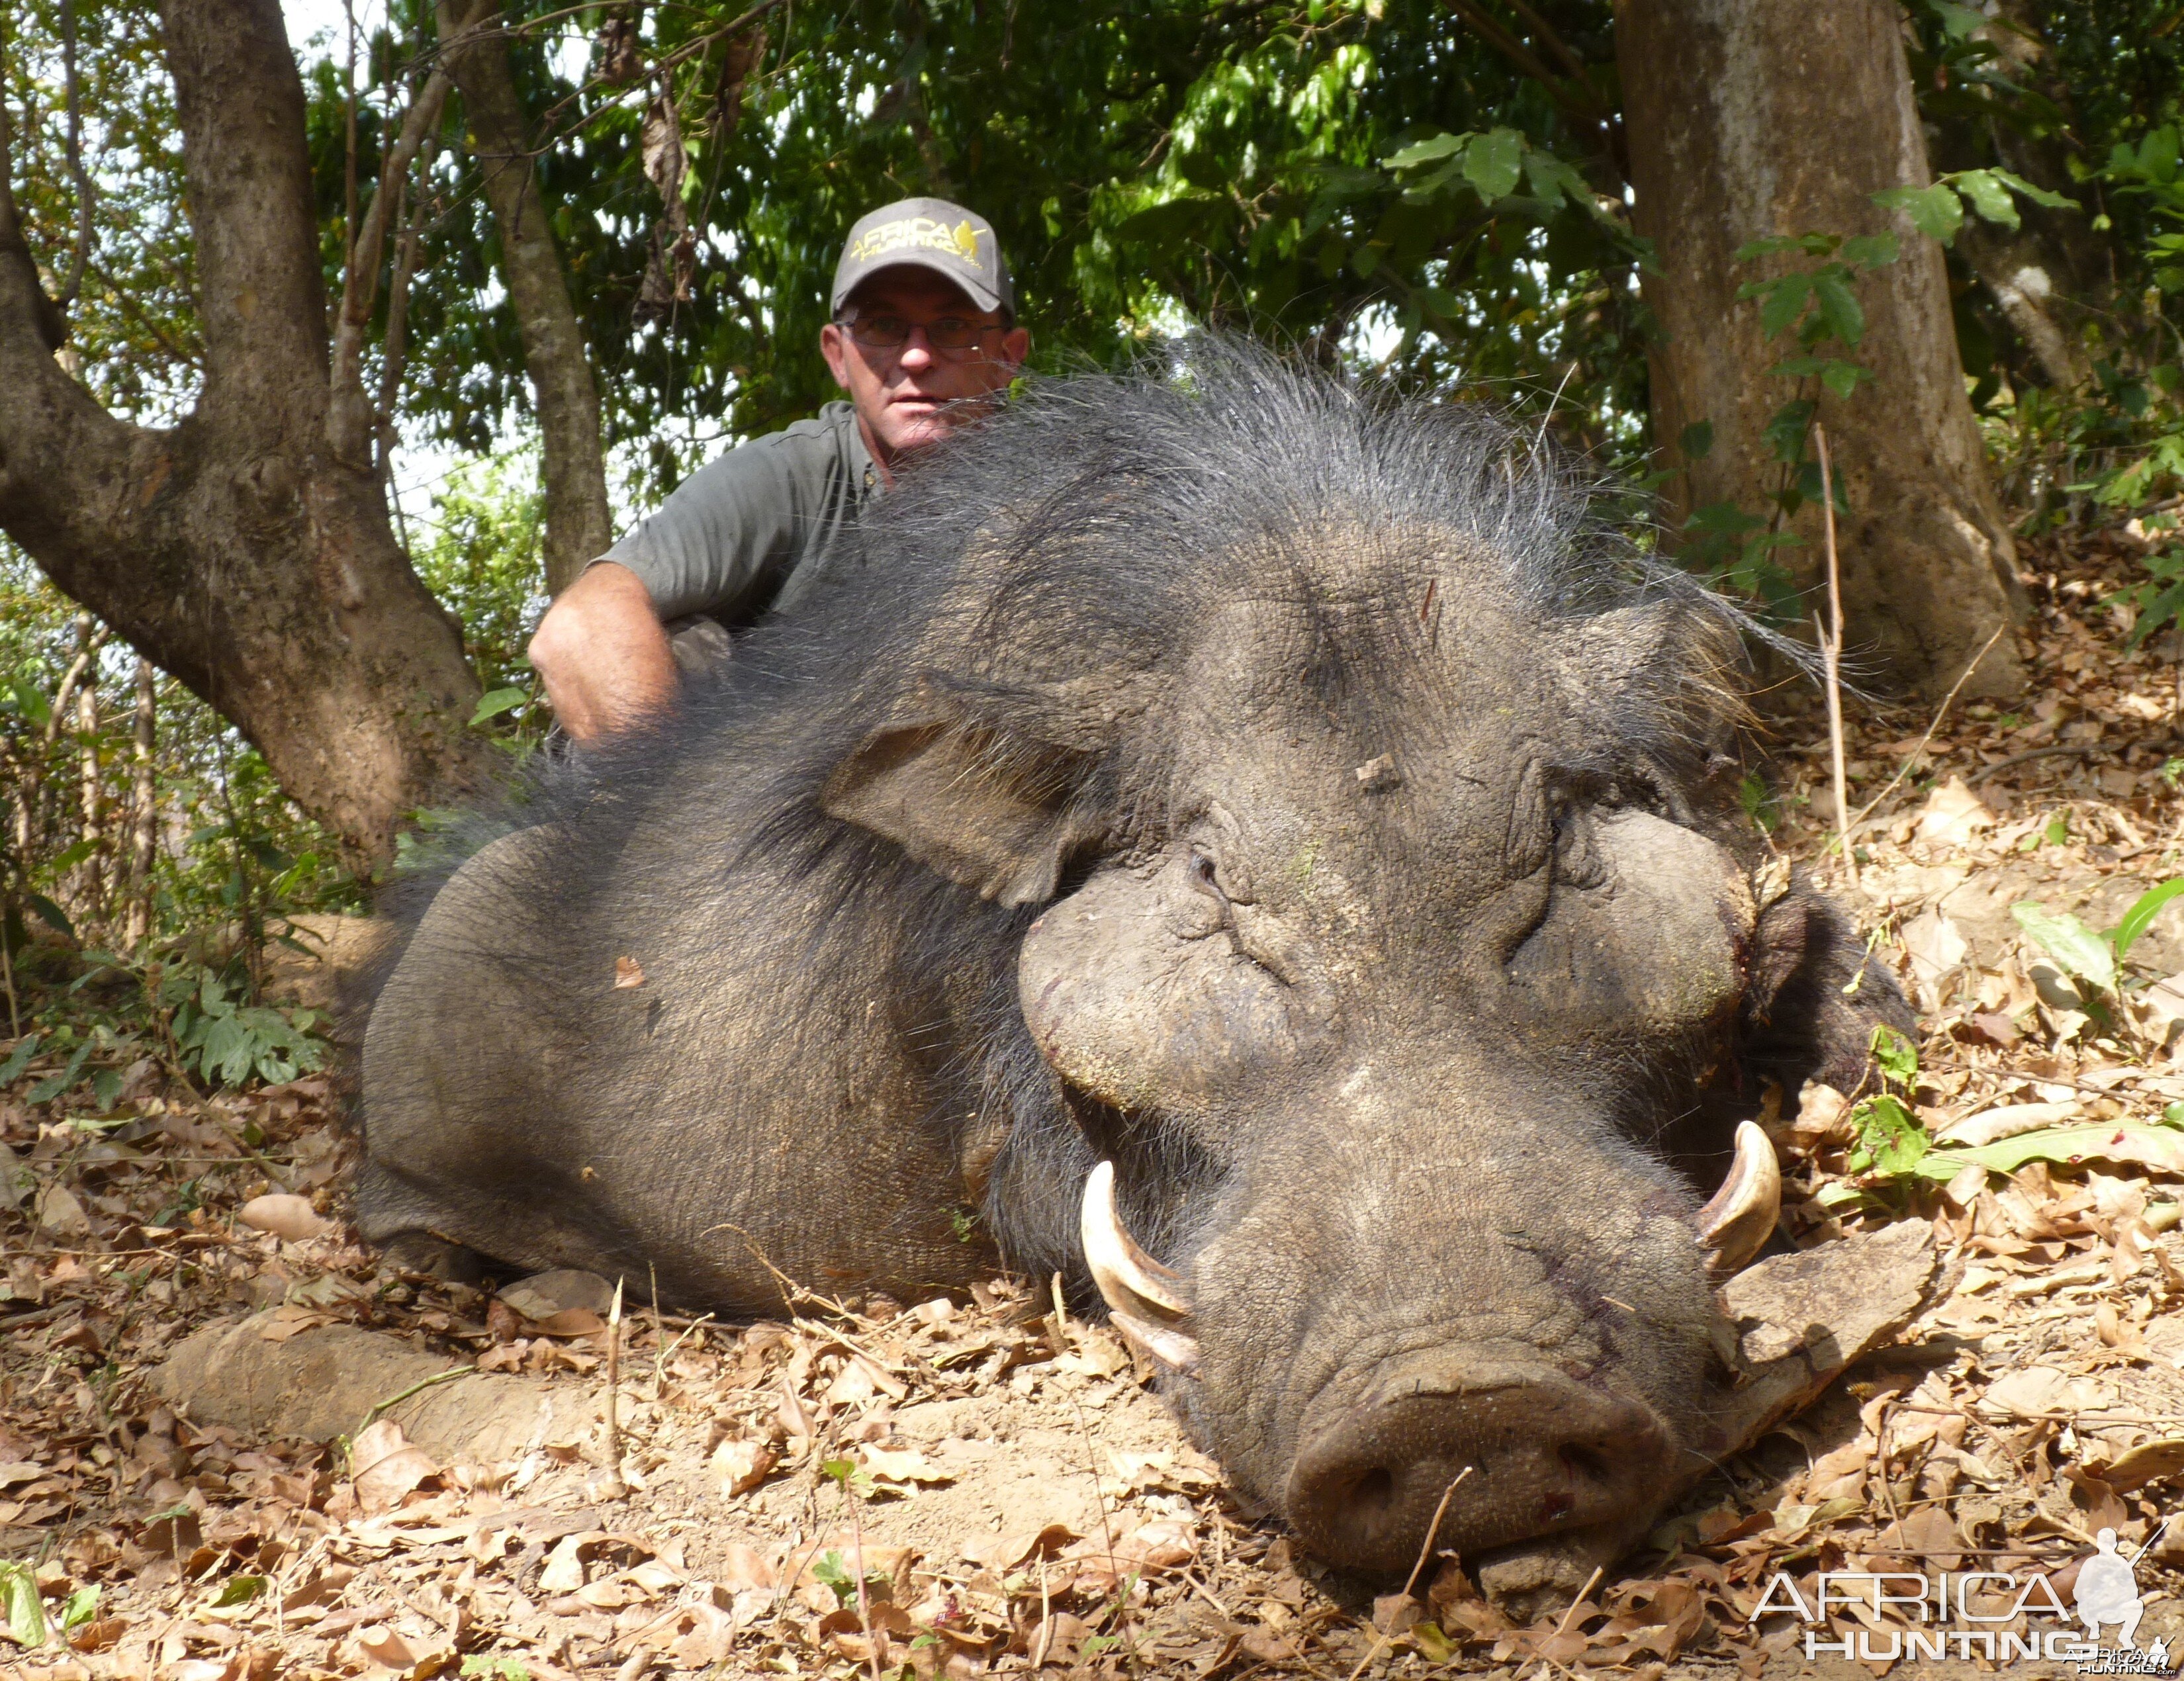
x=499, y=701
x=70, y=857
x=1430, y=150
x=19, y=1059
x=1783, y=301
x=1784, y=432
x=19, y=1598
x=239, y=1590
x=2039, y=195
x=79, y=1607
x=2124, y=1141
x=1839, y=308
x=1957, y=22
x=1891, y=1142
x=1696, y=440
x=51, y=915
x=2070, y=943
x=496, y=1668
x=1872, y=250
x=54, y=1084
x=1986, y=194
x=1896, y=1056
x=1552, y=180
x=1935, y=211
x=1844, y=378
x=2140, y=917
x=1492, y=162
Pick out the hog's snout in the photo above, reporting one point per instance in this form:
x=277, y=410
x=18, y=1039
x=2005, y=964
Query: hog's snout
x=1547, y=1455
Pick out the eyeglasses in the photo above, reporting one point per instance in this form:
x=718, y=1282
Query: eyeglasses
x=950, y=336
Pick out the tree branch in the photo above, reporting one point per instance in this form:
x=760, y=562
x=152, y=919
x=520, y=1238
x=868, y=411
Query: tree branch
x=564, y=393
x=348, y=418
x=74, y=148
x=240, y=103
x=1573, y=95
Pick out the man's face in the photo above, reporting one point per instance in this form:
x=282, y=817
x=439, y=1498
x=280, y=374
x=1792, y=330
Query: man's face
x=900, y=393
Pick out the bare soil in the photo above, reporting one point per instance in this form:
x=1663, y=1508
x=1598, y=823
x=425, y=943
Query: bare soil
x=226, y=1453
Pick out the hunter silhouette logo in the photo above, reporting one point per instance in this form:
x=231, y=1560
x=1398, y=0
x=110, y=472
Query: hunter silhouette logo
x=2108, y=1590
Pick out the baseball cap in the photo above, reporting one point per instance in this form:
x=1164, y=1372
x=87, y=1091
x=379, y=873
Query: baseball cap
x=927, y=233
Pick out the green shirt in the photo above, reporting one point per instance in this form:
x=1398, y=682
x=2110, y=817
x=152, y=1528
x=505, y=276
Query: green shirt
x=755, y=529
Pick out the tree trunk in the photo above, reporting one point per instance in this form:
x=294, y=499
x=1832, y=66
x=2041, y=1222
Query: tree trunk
x=578, y=528
x=1754, y=117
x=143, y=809
x=237, y=550
x=2050, y=273
x=89, y=885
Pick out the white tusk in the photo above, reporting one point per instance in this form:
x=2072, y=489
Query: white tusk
x=1741, y=1216
x=1173, y=1348
x=1131, y=1280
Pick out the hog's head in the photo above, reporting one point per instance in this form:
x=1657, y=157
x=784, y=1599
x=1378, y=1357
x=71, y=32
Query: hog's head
x=1390, y=965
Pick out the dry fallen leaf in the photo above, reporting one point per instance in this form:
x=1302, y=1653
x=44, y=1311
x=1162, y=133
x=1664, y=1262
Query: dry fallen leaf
x=743, y=1465
x=388, y=1466
x=627, y=973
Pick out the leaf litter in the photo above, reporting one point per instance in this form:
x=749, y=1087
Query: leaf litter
x=956, y=1487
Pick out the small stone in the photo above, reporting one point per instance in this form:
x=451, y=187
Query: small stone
x=543, y=1294
x=287, y=1215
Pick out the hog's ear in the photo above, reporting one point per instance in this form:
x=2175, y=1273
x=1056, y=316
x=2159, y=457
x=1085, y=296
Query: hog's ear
x=1672, y=653
x=1815, y=995
x=983, y=812
x=981, y=783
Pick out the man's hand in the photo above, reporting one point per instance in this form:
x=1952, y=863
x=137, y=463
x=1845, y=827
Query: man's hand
x=604, y=655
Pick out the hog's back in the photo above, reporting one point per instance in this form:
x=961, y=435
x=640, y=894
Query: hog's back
x=665, y=1060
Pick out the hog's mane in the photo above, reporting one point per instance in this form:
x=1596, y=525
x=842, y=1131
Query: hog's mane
x=1083, y=536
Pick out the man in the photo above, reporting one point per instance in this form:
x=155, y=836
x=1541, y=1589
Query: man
x=923, y=325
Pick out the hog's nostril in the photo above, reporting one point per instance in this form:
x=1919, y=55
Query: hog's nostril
x=1374, y=1491
x=1587, y=1463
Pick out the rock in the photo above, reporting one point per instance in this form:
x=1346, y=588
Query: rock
x=324, y=1381
x=336, y=952
x=543, y=1294
x=1800, y=1319
x=287, y=1216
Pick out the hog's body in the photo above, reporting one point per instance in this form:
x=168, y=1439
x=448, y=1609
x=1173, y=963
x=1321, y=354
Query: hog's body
x=1287, y=797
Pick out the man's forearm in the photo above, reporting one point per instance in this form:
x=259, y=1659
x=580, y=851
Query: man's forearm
x=604, y=655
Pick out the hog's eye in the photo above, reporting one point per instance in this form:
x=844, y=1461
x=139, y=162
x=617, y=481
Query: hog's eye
x=1204, y=877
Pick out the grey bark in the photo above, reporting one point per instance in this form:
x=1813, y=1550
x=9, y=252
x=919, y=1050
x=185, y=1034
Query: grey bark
x=238, y=550
x=1751, y=118
x=578, y=528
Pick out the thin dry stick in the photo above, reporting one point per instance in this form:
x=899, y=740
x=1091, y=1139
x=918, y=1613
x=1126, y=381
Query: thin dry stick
x=1831, y=657
x=614, y=1383
x=1941, y=712
x=1582, y=1593
x=1106, y=1529
x=864, y=1595
x=1380, y=1639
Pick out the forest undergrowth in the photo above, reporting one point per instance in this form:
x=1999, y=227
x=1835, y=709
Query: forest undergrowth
x=959, y=1486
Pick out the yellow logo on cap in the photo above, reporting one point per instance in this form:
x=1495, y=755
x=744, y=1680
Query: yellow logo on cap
x=918, y=233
